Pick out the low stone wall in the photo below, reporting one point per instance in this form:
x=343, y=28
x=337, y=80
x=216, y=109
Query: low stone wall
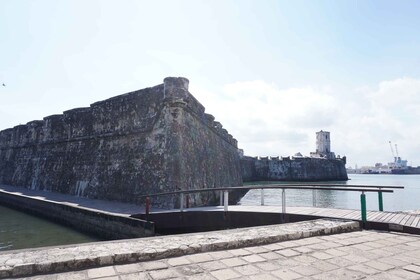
x=101, y=224
x=22, y=263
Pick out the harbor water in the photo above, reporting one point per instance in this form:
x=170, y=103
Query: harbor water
x=400, y=200
x=19, y=230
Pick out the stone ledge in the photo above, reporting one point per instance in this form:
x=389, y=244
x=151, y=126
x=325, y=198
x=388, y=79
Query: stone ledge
x=75, y=257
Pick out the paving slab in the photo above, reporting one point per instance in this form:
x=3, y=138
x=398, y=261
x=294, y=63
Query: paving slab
x=76, y=257
x=276, y=267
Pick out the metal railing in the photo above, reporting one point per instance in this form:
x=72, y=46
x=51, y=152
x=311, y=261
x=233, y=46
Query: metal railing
x=224, y=194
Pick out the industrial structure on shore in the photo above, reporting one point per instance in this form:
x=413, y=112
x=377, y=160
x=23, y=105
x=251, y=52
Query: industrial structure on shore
x=397, y=166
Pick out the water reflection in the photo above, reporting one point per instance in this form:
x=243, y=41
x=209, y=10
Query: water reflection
x=19, y=230
x=399, y=200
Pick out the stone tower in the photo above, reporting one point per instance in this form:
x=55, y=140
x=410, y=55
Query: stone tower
x=323, y=145
x=323, y=142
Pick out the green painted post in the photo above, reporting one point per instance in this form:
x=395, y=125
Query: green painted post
x=380, y=201
x=363, y=205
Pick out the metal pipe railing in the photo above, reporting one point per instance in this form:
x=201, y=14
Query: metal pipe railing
x=224, y=194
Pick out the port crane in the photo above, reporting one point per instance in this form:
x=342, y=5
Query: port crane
x=392, y=151
x=398, y=162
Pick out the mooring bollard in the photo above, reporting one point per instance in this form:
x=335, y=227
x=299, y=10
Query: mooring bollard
x=380, y=201
x=262, y=196
x=226, y=200
x=147, y=206
x=363, y=207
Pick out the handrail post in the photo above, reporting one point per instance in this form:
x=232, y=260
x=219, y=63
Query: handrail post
x=283, y=201
x=147, y=210
x=181, y=203
x=363, y=207
x=221, y=198
x=314, y=198
x=283, y=204
x=226, y=200
x=380, y=200
x=188, y=201
x=262, y=196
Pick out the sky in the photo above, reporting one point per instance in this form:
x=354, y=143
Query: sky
x=272, y=72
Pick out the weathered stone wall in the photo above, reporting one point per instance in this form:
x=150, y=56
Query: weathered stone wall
x=293, y=169
x=153, y=140
x=101, y=224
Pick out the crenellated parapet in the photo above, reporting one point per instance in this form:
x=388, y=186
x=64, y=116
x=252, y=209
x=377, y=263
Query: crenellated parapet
x=292, y=169
x=176, y=91
x=133, y=112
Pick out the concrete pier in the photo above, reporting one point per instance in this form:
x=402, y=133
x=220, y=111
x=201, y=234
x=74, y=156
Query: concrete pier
x=104, y=219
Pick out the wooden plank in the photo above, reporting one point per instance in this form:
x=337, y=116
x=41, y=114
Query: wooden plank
x=387, y=217
x=390, y=218
x=342, y=214
x=401, y=218
x=396, y=217
x=375, y=215
x=405, y=219
x=355, y=216
x=380, y=217
x=339, y=213
x=312, y=211
x=410, y=220
x=300, y=210
x=325, y=212
x=417, y=225
x=416, y=221
x=350, y=213
x=370, y=215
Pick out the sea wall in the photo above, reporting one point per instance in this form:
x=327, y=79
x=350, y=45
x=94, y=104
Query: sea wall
x=100, y=224
x=293, y=169
x=153, y=140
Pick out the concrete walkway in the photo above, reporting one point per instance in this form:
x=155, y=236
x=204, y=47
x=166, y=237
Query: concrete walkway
x=353, y=255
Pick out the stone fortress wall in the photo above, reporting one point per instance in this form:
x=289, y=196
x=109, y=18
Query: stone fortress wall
x=292, y=169
x=322, y=165
x=153, y=140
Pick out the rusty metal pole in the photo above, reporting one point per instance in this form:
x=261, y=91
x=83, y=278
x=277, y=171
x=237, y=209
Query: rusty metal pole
x=188, y=201
x=147, y=206
x=181, y=203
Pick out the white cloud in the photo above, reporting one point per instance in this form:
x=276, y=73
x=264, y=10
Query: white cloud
x=268, y=120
